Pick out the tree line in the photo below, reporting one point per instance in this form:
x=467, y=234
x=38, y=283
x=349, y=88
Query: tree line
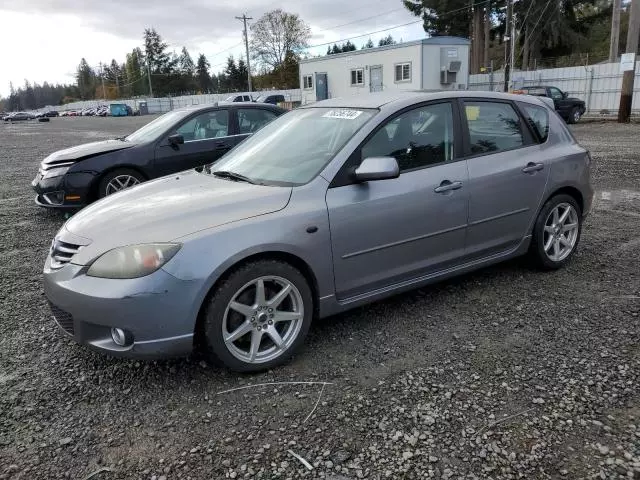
x=277, y=40
x=545, y=29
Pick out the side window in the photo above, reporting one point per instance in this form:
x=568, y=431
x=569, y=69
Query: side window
x=493, y=127
x=417, y=138
x=206, y=125
x=538, y=118
x=251, y=120
x=555, y=93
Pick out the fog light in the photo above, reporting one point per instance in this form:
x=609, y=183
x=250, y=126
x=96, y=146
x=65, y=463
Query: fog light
x=119, y=336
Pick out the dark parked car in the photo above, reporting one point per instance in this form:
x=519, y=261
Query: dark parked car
x=272, y=99
x=569, y=108
x=18, y=116
x=239, y=98
x=179, y=140
x=49, y=114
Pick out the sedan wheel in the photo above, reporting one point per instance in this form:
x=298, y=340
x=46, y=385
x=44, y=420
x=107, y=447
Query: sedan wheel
x=120, y=183
x=258, y=317
x=556, y=232
x=118, y=180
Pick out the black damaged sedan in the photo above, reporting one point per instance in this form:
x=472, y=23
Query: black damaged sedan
x=179, y=140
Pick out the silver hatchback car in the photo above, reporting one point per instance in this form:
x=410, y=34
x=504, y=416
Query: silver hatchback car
x=331, y=206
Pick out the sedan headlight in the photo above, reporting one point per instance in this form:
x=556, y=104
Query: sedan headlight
x=133, y=261
x=54, y=172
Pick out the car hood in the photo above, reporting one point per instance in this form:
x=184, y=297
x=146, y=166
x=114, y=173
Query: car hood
x=166, y=209
x=84, y=151
x=574, y=99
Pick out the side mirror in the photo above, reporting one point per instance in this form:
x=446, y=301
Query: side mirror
x=175, y=140
x=377, y=168
x=565, y=95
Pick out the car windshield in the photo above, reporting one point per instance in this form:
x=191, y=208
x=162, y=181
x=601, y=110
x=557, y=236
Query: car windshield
x=293, y=149
x=231, y=98
x=261, y=98
x=152, y=130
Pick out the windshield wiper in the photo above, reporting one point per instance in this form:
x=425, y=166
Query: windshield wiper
x=122, y=139
x=233, y=176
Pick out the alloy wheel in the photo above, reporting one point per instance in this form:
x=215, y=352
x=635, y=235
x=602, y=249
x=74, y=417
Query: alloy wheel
x=263, y=319
x=561, y=230
x=120, y=183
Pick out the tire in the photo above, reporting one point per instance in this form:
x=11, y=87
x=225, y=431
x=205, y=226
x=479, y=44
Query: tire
x=111, y=180
x=256, y=326
x=574, y=116
x=548, y=230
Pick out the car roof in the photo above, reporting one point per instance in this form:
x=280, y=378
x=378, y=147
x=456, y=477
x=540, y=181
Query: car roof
x=205, y=106
x=380, y=99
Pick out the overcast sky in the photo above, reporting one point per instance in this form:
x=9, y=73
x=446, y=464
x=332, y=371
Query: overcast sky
x=49, y=37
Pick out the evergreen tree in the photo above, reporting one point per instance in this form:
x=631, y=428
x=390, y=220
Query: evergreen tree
x=388, y=40
x=369, y=44
x=202, y=74
x=231, y=74
x=86, y=79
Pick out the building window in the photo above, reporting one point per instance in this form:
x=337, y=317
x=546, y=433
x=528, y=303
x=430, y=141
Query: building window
x=307, y=81
x=357, y=77
x=403, y=72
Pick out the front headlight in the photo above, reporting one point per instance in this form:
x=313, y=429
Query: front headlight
x=54, y=172
x=133, y=261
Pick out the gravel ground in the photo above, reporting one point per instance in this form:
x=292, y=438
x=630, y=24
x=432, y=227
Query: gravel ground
x=504, y=373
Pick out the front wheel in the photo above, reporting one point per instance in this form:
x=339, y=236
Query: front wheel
x=556, y=232
x=118, y=180
x=258, y=317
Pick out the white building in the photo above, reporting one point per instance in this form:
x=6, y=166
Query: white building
x=434, y=63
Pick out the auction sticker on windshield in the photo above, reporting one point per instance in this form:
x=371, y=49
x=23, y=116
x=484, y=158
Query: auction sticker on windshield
x=343, y=113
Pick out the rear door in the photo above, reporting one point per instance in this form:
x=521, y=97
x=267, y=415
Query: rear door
x=507, y=176
x=207, y=136
x=250, y=119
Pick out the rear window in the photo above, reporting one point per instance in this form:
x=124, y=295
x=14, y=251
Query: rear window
x=538, y=118
x=542, y=92
x=493, y=127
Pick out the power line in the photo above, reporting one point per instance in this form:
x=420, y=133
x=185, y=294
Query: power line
x=528, y=37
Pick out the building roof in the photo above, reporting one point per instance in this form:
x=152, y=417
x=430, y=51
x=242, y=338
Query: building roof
x=378, y=99
x=444, y=40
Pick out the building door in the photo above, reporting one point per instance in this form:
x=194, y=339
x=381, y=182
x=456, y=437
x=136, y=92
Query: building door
x=322, y=89
x=375, y=78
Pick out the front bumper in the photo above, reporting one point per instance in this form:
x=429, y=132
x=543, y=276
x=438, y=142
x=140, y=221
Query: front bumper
x=154, y=311
x=69, y=191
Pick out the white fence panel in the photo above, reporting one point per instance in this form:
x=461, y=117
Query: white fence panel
x=598, y=85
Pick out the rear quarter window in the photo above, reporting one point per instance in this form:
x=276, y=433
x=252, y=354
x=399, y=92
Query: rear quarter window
x=538, y=118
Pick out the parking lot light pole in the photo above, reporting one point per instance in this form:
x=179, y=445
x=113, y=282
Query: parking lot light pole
x=626, y=95
x=244, y=18
x=149, y=76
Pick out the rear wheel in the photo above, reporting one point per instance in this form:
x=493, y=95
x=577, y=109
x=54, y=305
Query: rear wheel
x=258, y=317
x=118, y=180
x=556, y=232
x=575, y=115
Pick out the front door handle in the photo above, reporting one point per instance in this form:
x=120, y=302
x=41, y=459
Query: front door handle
x=447, y=186
x=221, y=145
x=533, y=167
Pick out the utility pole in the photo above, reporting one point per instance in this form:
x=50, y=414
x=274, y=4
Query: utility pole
x=149, y=75
x=615, y=31
x=117, y=84
x=507, y=45
x=104, y=95
x=626, y=95
x=244, y=19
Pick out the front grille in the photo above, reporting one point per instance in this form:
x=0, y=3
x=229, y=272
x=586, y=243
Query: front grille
x=62, y=253
x=62, y=318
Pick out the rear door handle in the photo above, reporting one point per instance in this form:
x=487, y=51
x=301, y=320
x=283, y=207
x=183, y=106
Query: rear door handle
x=533, y=167
x=447, y=186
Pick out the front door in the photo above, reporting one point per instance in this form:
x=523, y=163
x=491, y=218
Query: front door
x=389, y=231
x=561, y=104
x=375, y=78
x=207, y=137
x=322, y=89
x=507, y=177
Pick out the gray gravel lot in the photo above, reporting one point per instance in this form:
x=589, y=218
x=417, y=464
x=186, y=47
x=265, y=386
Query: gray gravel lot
x=504, y=373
